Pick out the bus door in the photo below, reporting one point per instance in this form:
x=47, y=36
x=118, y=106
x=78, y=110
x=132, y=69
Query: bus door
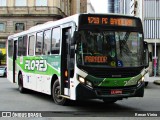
x=67, y=60
x=14, y=59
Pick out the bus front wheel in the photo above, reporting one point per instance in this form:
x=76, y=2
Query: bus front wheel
x=56, y=94
x=20, y=84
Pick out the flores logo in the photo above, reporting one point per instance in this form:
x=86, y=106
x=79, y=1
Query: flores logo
x=40, y=65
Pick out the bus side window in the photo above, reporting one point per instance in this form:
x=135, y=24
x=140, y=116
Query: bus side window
x=39, y=43
x=47, y=42
x=31, y=45
x=25, y=45
x=55, y=45
x=10, y=48
x=22, y=46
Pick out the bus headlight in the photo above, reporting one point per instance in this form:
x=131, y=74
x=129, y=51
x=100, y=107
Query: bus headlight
x=89, y=84
x=140, y=81
x=81, y=79
x=84, y=81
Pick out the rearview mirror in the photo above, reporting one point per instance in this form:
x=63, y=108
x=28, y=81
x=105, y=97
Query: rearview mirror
x=146, y=54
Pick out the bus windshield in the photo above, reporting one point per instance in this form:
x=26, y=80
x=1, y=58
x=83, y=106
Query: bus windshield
x=110, y=48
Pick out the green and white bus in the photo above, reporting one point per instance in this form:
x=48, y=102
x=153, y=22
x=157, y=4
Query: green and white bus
x=84, y=56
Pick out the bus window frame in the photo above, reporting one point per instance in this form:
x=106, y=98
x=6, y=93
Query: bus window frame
x=10, y=55
x=49, y=52
x=60, y=39
x=33, y=45
x=42, y=43
x=19, y=39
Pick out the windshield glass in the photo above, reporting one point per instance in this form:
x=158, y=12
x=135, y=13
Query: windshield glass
x=110, y=49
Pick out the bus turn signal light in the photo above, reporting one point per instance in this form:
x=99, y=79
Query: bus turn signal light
x=66, y=73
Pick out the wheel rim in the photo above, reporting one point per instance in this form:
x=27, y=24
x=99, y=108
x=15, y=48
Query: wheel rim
x=57, y=94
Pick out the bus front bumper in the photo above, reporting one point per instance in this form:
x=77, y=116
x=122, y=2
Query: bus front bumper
x=84, y=92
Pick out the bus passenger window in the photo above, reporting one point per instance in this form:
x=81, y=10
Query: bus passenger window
x=47, y=42
x=55, y=46
x=10, y=48
x=22, y=46
x=31, y=45
x=39, y=43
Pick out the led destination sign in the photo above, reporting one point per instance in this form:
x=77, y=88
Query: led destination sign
x=108, y=20
x=111, y=21
x=95, y=59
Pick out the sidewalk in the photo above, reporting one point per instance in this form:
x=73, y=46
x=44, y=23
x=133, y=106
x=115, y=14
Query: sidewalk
x=155, y=80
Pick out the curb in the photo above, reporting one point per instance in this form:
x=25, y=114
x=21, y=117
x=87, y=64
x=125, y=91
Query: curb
x=157, y=82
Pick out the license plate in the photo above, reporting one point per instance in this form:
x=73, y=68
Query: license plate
x=113, y=92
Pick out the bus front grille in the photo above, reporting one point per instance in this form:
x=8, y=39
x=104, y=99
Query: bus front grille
x=112, y=72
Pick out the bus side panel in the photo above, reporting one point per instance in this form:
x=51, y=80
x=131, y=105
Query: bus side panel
x=25, y=65
x=53, y=68
x=37, y=71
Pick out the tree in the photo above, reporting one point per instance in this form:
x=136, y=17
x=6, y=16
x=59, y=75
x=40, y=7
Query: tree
x=2, y=57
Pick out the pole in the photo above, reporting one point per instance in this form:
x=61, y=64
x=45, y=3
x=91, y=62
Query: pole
x=155, y=58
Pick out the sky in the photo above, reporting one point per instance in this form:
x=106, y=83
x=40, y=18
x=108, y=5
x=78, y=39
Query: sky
x=100, y=6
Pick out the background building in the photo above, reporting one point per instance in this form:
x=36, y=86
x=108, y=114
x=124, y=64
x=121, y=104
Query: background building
x=152, y=31
x=125, y=7
x=90, y=8
x=113, y=6
x=78, y=6
x=20, y=15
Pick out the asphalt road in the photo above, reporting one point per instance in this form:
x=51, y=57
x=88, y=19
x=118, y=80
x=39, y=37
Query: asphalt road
x=12, y=100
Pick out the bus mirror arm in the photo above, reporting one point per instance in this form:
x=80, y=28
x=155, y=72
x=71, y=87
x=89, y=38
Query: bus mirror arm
x=146, y=54
x=75, y=38
x=145, y=45
x=149, y=53
x=150, y=56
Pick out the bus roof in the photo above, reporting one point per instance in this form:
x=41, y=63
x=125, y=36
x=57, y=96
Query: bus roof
x=46, y=25
x=50, y=24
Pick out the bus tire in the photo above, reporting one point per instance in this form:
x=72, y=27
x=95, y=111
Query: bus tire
x=55, y=94
x=20, y=84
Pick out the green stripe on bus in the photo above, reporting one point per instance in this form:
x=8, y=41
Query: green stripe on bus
x=114, y=82
x=52, y=65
